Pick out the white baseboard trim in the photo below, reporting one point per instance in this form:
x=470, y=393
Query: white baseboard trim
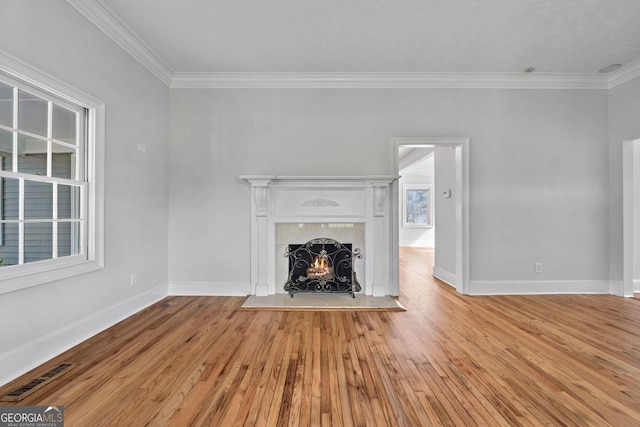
x=537, y=287
x=21, y=360
x=616, y=287
x=444, y=276
x=226, y=289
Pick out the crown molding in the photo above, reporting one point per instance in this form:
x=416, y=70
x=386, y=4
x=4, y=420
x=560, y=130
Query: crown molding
x=108, y=22
x=387, y=81
x=624, y=74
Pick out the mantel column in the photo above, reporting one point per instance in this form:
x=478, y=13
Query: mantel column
x=259, y=216
x=381, y=249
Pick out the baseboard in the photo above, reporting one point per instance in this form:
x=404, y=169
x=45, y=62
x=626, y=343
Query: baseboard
x=21, y=360
x=444, y=276
x=616, y=287
x=535, y=287
x=227, y=289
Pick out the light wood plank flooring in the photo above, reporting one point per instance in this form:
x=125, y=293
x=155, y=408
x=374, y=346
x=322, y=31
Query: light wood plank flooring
x=449, y=360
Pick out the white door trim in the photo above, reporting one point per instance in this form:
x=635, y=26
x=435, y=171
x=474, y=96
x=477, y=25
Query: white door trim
x=461, y=146
x=628, y=212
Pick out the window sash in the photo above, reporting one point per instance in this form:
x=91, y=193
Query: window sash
x=78, y=243
x=80, y=131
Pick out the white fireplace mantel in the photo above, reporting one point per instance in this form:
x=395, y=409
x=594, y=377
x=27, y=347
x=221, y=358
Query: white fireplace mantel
x=277, y=199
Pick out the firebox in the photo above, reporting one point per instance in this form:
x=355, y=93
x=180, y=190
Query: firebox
x=322, y=266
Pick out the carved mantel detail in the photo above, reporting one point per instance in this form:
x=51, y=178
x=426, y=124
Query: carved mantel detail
x=320, y=203
x=378, y=201
x=260, y=194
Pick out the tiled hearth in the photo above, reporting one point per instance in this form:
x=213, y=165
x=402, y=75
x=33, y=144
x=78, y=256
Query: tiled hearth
x=295, y=209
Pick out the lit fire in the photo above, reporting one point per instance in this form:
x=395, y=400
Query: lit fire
x=320, y=269
x=320, y=264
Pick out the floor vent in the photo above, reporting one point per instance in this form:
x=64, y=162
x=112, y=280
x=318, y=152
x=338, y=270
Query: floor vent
x=23, y=391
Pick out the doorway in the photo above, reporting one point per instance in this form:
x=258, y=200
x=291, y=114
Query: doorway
x=458, y=236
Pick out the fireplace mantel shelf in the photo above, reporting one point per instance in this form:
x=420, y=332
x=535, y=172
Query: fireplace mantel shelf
x=320, y=178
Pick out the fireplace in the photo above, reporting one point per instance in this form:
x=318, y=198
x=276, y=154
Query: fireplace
x=294, y=210
x=322, y=266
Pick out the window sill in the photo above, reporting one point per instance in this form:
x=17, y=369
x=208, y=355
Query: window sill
x=43, y=272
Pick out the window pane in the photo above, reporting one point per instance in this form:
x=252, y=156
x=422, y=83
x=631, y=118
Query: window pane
x=6, y=145
x=32, y=113
x=32, y=155
x=9, y=248
x=9, y=198
x=64, y=125
x=417, y=211
x=63, y=161
x=38, y=200
x=38, y=241
x=68, y=202
x=68, y=238
x=6, y=105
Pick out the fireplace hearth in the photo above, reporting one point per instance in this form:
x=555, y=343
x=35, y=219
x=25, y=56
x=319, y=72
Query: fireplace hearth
x=322, y=265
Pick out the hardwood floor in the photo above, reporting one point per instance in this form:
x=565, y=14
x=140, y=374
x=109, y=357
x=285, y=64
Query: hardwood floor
x=448, y=360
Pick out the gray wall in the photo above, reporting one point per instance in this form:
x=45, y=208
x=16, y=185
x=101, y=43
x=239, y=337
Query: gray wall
x=53, y=37
x=539, y=169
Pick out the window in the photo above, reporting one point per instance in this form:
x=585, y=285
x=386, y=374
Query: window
x=50, y=179
x=416, y=206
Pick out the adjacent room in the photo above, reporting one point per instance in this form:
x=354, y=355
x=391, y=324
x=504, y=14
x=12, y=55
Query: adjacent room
x=462, y=177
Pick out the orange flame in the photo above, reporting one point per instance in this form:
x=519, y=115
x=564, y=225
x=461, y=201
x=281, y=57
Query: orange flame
x=320, y=263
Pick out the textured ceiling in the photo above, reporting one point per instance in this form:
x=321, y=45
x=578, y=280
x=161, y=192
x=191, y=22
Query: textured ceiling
x=362, y=36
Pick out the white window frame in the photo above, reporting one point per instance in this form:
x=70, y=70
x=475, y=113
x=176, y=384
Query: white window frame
x=92, y=256
x=405, y=201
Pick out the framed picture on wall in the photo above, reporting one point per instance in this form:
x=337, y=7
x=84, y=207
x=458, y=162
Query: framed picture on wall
x=416, y=205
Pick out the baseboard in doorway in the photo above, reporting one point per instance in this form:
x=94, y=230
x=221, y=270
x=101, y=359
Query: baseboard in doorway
x=444, y=276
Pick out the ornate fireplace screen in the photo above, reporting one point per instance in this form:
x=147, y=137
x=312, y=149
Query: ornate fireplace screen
x=322, y=265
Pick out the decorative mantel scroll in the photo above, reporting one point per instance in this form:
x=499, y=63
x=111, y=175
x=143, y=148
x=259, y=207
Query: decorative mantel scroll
x=320, y=203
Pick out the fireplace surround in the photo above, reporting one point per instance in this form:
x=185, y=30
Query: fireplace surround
x=289, y=210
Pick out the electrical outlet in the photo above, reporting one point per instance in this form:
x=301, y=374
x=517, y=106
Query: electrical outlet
x=134, y=279
x=537, y=267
